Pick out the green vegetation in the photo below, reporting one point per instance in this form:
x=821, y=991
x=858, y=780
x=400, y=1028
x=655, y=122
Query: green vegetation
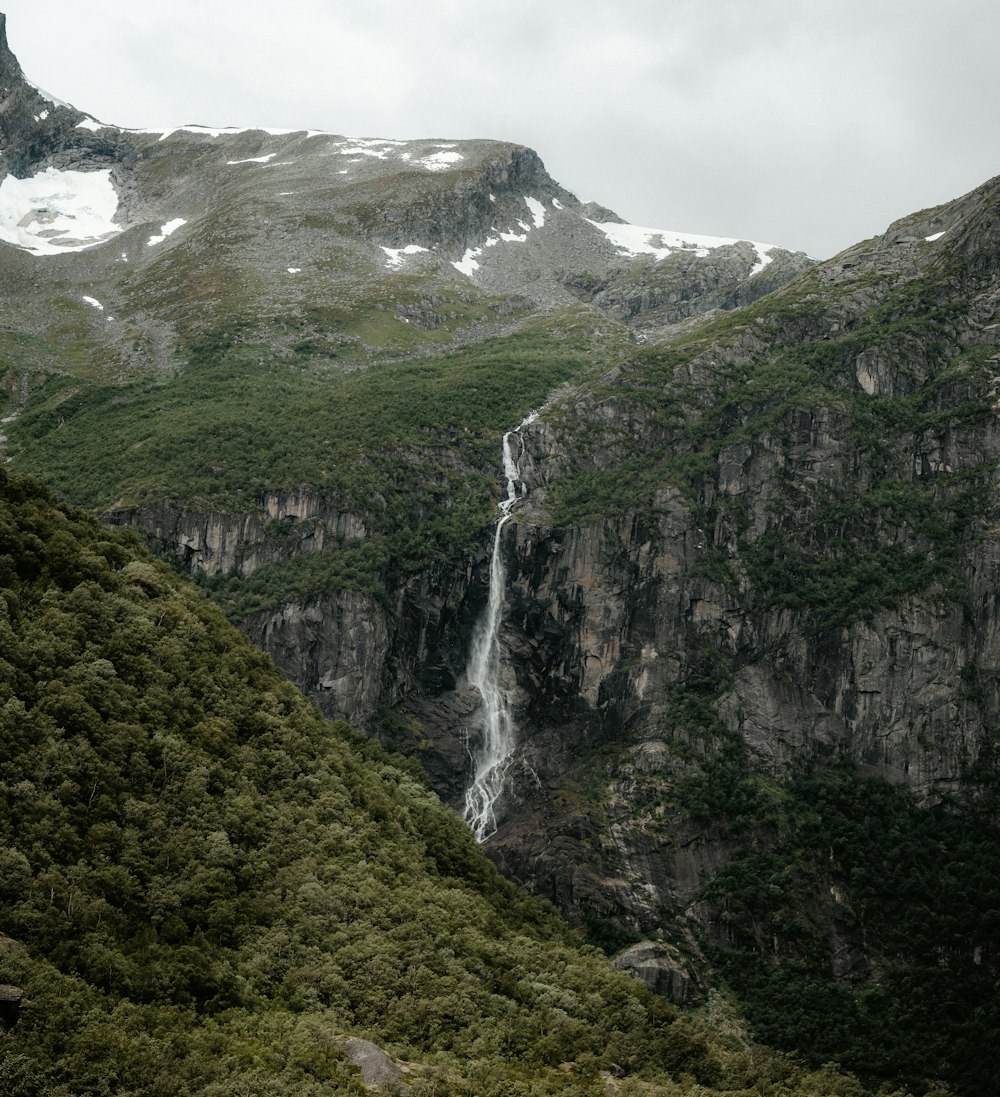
x=213, y=885
x=412, y=446
x=237, y=421
x=912, y=910
x=844, y=564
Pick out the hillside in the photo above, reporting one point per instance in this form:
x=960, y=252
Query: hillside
x=208, y=889
x=723, y=684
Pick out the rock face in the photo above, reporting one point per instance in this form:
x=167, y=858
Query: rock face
x=808, y=574
x=663, y=970
x=335, y=649
x=29, y=121
x=656, y=297
x=284, y=525
x=378, y=1071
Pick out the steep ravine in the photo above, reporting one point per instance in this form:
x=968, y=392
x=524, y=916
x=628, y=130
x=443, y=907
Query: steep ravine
x=612, y=622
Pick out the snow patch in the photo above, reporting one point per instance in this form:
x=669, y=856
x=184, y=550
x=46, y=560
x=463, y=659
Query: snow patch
x=372, y=142
x=253, y=159
x=51, y=98
x=41, y=117
x=294, y=270
x=58, y=211
x=537, y=211
x=467, y=265
x=361, y=150
x=764, y=257
x=165, y=231
x=221, y=131
x=94, y=303
x=935, y=236
x=556, y=203
x=396, y=256
x=633, y=240
x=440, y=161
x=378, y=147
x=91, y=124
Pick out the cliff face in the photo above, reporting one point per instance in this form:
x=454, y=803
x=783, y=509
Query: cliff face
x=774, y=543
x=283, y=526
x=773, y=535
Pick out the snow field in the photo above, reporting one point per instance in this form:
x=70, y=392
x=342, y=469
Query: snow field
x=58, y=211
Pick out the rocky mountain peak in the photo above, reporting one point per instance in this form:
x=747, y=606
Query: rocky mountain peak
x=10, y=71
x=32, y=123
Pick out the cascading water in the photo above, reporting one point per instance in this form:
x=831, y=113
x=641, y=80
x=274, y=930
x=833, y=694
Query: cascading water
x=496, y=748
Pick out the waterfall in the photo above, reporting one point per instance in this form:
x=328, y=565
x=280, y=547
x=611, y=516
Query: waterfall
x=496, y=748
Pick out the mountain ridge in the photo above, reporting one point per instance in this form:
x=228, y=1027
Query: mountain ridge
x=472, y=200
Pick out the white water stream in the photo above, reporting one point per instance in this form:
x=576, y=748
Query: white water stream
x=495, y=750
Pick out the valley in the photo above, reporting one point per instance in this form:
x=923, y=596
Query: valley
x=719, y=678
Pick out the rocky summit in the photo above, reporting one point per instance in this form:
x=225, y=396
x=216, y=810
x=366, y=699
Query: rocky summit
x=671, y=558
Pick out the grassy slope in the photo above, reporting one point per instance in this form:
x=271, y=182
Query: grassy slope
x=213, y=883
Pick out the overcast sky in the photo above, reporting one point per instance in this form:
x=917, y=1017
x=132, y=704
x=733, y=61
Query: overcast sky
x=806, y=123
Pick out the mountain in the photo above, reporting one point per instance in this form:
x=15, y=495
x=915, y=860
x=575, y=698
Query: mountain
x=722, y=684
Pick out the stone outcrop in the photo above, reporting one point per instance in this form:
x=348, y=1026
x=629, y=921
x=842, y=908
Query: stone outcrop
x=654, y=298
x=30, y=123
x=663, y=969
x=334, y=648
x=378, y=1071
x=284, y=525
